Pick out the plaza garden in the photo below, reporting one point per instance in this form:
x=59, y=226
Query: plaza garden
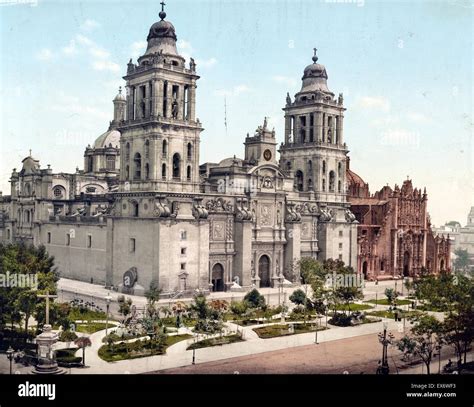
x=320, y=304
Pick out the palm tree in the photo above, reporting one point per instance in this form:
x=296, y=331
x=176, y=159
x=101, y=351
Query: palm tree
x=82, y=342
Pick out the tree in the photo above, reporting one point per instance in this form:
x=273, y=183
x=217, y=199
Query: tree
x=125, y=306
x=298, y=297
x=255, y=299
x=83, y=342
x=391, y=295
x=239, y=308
x=26, y=303
x=462, y=260
x=424, y=339
x=200, y=307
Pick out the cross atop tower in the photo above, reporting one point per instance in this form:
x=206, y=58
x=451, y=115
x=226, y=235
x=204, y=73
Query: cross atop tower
x=162, y=12
x=315, y=58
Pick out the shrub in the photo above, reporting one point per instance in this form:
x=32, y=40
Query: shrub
x=239, y=307
x=298, y=297
x=340, y=319
x=67, y=336
x=255, y=299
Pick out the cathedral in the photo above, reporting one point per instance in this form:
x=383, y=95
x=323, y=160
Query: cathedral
x=144, y=211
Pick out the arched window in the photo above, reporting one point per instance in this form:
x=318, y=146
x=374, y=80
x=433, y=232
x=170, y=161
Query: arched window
x=310, y=166
x=90, y=164
x=188, y=173
x=147, y=171
x=324, y=167
x=324, y=185
x=165, y=148
x=147, y=149
x=163, y=171
x=190, y=151
x=332, y=180
x=339, y=169
x=127, y=172
x=288, y=165
x=339, y=186
x=176, y=166
x=299, y=180
x=127, y=151
x=310, y=184
x=138, y=166
x=110, y=162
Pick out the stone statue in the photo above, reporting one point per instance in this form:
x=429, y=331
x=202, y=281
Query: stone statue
x=340, y=100
x=192, y=64
x=288, y=99
x=174, y=109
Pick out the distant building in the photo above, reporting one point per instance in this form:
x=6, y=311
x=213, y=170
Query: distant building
x=395, y=238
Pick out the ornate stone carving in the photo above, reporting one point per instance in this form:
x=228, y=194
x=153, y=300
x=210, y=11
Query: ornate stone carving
x=243, y=211
x=306, y=208
x=229, y=229
x=267, y=183
x=266, y=215
x=219, y=205
x=161, y=210
x=325, y=215
x=350, y=217
x=200, y=212
x=218, y=230
x=291, y=214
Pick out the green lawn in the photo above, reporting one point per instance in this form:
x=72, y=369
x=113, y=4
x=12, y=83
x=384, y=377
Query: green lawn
x=353, y=307
x=91, y=327
x=219, y=341
x=385, y=302
x=273, y=331
x=123, y=351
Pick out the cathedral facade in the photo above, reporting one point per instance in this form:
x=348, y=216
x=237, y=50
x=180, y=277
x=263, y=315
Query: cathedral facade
x=144, y=211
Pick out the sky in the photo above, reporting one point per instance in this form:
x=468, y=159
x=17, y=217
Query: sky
x=405, y=69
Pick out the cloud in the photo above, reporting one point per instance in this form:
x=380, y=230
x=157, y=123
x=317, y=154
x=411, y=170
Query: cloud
x=70, y=49
x=184, y=46
x=100, y=56
x=285, y=80
x=45, y=55
x=71, y=105
x=375, y=103
x=206, y=63
x=89, y=25
x=106, y=66
x=418, y=117
x=235, y=91
x=138, y=48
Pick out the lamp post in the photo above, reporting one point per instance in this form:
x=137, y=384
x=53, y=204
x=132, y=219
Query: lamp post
x=10, y=353
x=438, y=348
x=385, y=339
x=108, y=298
x=194, y=350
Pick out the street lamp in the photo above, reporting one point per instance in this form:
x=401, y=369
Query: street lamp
x=385, y=340
x=194, y=350
x=108, y=298
x=10, y=353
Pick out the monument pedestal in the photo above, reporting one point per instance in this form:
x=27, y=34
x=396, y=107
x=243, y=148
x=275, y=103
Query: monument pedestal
x=47, y=365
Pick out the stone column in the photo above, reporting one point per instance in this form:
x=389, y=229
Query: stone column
x=318, y=126
x=287, y=128
x=180, y=100
x=157, y=98
x=192, y=102
x=340, y=130
x=169, y=99
x=307, y=121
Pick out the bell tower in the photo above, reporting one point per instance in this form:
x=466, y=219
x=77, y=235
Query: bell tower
x=160, y=136
x=314, y=148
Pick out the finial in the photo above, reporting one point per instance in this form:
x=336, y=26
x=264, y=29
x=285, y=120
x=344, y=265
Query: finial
x=120, y=90
x=162, y=12
x=30, y=152
x=315, y=58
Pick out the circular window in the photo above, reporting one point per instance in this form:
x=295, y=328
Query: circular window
x=58, y=193
x=267, y=154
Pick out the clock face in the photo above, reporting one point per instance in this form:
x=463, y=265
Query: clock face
x=267, y=154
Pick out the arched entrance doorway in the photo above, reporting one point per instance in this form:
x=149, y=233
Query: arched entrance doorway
x=264, y=271
x=441, y=265
x=364, y=270
x=217, y=277
x=406, y=264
